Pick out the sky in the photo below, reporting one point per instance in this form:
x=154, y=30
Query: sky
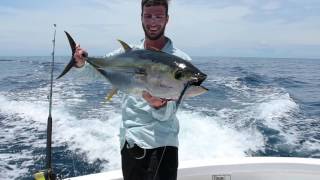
x=229, y=28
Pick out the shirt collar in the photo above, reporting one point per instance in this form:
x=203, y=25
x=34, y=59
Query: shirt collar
x=168, y=47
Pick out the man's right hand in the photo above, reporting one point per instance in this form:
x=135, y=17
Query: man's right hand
x=79, y=56
x=154, y=101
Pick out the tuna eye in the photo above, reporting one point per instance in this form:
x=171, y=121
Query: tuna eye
x=178, y=74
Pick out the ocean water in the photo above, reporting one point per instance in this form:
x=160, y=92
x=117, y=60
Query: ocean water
x=255, y=107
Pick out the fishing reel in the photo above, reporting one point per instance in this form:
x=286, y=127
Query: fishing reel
x=45, y=175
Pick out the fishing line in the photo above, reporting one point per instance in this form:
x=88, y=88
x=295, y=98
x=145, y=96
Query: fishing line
x=160, y=161
x=177, y=106
x=182, y=94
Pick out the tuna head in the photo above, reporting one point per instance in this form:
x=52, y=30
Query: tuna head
x=186, y=72
x=192, y=76
x=170, y=74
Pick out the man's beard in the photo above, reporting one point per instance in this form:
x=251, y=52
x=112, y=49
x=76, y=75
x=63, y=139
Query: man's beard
x=153, y=37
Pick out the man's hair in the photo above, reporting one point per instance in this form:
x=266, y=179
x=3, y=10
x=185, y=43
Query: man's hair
x=149, y=3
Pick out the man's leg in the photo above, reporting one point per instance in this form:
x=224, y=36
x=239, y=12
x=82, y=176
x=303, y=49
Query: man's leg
x=132, y=167
x=169, y=163
x=162, y=163
x=156, y=164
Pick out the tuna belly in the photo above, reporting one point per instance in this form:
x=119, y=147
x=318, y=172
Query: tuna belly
x=126, y=82
x=163, y=90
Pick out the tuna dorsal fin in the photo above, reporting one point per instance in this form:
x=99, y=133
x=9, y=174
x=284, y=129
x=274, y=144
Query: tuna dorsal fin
x=111, y=93
x=125, y=46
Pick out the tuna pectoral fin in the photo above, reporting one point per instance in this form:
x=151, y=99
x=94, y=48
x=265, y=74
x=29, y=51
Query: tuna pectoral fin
x=72, y=60
x=111, y=93
x=195, y=91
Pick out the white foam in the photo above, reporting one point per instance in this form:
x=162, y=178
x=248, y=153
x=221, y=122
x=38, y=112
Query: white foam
x=202, y=137
x=12, y=171
x=277, y=107
x=312, y=145
x=97, y=138
x=277, y=111
x=270, y=105
x=232, y=83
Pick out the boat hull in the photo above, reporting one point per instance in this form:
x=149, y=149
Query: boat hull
x=253, y=168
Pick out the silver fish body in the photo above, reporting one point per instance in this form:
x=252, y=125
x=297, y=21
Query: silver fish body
x=161, y=74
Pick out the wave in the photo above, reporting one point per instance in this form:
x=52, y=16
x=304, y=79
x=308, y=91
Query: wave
x=97, y=142
x=244, y=114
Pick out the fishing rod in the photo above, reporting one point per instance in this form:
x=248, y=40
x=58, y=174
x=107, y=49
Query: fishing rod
x=48, y=174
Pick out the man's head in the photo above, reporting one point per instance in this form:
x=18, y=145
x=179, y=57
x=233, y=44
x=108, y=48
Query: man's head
x=154, y=17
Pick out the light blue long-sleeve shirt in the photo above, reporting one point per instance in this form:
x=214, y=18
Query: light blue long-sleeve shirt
x=144, y=125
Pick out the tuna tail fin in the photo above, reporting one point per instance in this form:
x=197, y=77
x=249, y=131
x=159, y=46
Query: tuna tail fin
x=72, y=60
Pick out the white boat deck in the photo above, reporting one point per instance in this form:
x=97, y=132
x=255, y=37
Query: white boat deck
x=248, y=168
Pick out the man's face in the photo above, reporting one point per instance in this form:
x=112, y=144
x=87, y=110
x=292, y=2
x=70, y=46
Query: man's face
x=154, y=21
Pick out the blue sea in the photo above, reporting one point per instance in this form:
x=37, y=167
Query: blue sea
x=255, y=107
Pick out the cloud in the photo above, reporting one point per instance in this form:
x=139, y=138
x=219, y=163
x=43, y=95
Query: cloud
x=202, y=27
x=7, y=11
x=241, y=26
x=98, y=27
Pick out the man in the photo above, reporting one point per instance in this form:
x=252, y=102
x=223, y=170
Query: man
x=149, y=128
